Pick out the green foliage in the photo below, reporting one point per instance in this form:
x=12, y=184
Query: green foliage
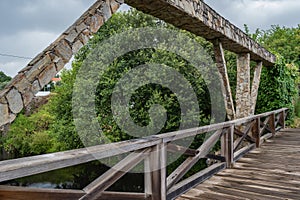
x=150, y=94
x=282, y=40
x=60, y=107
x=28, y=135
x=60, y=131
x=4, y=80
x=3, y=77
x=279, y=84
x=297, y=108
x=52, y=128
x=278, y=87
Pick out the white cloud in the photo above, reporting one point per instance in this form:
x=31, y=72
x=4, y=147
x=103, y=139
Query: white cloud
x=11, y=67
x=33, y=25
x=27, y=43
x=259, y=13
x=24, y=43
x=29, y=26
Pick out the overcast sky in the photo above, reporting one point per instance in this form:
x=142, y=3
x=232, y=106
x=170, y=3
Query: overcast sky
x=29, y=26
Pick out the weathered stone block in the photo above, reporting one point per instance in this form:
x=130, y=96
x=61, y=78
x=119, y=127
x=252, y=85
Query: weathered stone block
x=105, y=11
x=35, y=60
x=72, y=36
x=84, y=38
x=76, y=46
x=81, y=27
x=3, y=94
x=38, y=67
x=114, y=5
x=15, y=101
x=12, y=117
x=3, y=100
x=27, y=97
x=4, y=119
x=59, y=63
x=22, y=85
x=46, y=76
x=64, y=50
x=189, y=8
x=35, y=88
x=96, y=23
x=15, y=80
x=88, y=21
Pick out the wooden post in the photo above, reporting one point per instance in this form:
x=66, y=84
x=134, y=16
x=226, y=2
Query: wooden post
x=155, y=173
x=227, y=147
x=256, y=132
x=226, y=90
x=147, y=176
x=272, y=124
x=282, y=119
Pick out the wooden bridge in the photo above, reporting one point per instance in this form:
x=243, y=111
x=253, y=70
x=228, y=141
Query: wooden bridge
x=271, y=172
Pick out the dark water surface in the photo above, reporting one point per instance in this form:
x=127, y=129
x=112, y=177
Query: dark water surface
x=78, y=177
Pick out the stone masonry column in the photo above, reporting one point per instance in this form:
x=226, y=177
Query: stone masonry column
x=255, y=86
x=226, y=90
x=243, y=93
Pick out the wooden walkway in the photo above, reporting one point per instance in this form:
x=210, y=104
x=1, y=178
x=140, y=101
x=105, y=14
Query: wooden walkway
x=270, y=172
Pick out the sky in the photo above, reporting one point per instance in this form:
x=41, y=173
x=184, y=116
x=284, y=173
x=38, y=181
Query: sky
x=29, y=26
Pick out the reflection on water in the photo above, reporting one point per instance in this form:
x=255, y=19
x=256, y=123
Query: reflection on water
x=44, y=185
x=78, y=177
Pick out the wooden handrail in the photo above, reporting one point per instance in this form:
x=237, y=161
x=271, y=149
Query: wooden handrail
x=153, y=150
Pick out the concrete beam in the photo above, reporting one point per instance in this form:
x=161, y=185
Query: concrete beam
x=198, y=18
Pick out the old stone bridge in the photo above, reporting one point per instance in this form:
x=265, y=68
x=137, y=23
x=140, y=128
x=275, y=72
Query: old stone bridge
x=251, y=178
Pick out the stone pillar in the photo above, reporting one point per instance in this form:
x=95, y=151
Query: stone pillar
x=243, y=102
x=255, y=86
x=226, y=90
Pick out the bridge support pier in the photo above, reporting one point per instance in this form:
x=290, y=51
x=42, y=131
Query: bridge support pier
x=255, y=86
x=243, y=104
x=226, y=90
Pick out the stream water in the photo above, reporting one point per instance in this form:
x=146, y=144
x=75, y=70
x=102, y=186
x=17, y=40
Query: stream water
x=77, y=177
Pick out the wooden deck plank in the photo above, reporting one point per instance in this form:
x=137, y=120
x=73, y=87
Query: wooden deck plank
x=271, y=172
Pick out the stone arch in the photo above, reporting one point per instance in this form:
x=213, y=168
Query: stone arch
x=39, y=72
x=192, y=15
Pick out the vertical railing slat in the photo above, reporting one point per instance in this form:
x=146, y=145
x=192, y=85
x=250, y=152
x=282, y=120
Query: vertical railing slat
x=256, y=132
x=227, y=146
x=157, y=168
x=272, y=124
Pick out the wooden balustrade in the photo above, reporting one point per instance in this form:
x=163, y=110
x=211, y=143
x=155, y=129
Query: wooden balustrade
x=235, y=142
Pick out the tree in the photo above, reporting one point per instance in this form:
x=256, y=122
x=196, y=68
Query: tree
x=282, y=40
x=279, y=84
x=4, y=79
x=62, y=130
x=144, y=97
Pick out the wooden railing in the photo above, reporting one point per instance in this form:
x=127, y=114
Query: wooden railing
x=237, y=138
